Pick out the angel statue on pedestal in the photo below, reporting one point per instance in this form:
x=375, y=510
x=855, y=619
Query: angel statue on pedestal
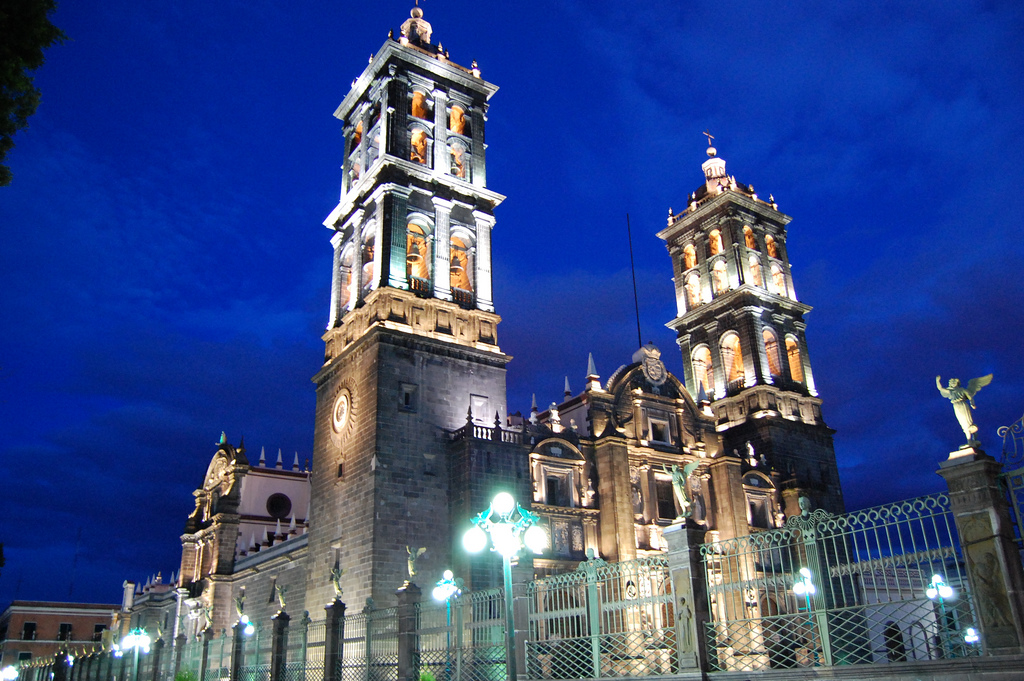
x=963, y=401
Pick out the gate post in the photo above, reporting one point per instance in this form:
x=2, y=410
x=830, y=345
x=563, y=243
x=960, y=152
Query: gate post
x=179, y=648
x=593, y=613
x=158, y=649
x=689, y=595
x=334, y=638
x=986, y=535
x=278, y=645
x=817, y=615
x=237, y=650
x=207, y=637
x=522, y=573
x=408, y=664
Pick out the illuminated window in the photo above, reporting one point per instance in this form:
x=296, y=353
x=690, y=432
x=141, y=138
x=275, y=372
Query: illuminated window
x=457, y=120
x=755, y=271
x=345, y=278
x=693, y=289
x=357, y=136
x=64, y=631
x=720, y=277
x=778, y=280
x=461, y=265
x=459, y=159
x=796, y=369
x=417, y=257
x=420, y=106
x=748, y=237
x=773, y=250
x=702, y=368
x=689, y=257
x=771, y=350
x=732, y=357
x=419, y=145
x=367, y=258
x=715, y=242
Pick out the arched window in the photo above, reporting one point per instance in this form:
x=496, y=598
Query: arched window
x=778, y=280
x=420, y=107
x=771, y=351
x=773, y=250
x=702, y=374
x=689, y=257
x=461, y=265
x=457, y=120
x=732, y=357
x=357, y=136
x=755, y=271
x=748, y=237
x=459, y=158
x=715, y=242
x=345, y=292
x=796, y=367
x=417, y=257
x=720, y=277
x=367, y=258
x=419, y=146
x=693, y=290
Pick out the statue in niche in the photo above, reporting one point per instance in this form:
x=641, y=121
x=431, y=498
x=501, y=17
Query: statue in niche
x=963, y=401
x=413, y=555
x=679, y=489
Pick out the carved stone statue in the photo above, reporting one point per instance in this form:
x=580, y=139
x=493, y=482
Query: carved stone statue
x=240, y=603
x=336, y=574
x=963, y=401
x=682, y=494
x=413, y=555
x=805, y=505
x=281, y=591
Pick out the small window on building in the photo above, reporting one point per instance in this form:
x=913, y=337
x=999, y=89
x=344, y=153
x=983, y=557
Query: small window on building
x=28, y=631
x=556, y=488
x=24, y=657
x=97, y=631
x=773, y=250
x=457, y=120
x=771, y=351
x=796, y=369
x=660, y=431
x=420, y=107
x=407, y=397
x=720, y=277
x=759, y=515
x=702, y=369
x=748, y=237
x=64, y=632
x=755, y=271
x=666, y=499
x=279, y=505
x=715, y=242
x=419, y=145
x=689, y=257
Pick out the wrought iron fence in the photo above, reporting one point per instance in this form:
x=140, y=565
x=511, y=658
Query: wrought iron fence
x=463, y=640
x=603, y=620
x=1013, y=475
x=370, y=646
x=832, y=590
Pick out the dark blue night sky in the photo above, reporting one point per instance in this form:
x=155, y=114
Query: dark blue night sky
x=164, y=273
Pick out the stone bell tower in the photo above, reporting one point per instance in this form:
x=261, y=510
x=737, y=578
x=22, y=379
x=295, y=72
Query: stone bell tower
x=411, y=344
x=741, y=332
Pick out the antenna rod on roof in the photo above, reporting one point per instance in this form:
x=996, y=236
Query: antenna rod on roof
x=632, y=267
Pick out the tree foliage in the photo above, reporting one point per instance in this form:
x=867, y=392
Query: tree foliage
x=25, y=31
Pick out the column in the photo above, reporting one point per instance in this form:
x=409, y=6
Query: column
x=336, y=292
x=477, y=116
x=484, y=223
x=689, y=591
x=408, y=664
x=207, y=636
x=334, y=638
x=522, y=574
x=986, y=535
x=279, y=645
x=441, y=161
x=442, y=249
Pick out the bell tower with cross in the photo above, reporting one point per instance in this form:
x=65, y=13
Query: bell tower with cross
x=411, y=341
x=740, y=328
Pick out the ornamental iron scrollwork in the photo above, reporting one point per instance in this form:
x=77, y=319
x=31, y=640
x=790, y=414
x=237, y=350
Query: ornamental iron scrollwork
x=1013, y=443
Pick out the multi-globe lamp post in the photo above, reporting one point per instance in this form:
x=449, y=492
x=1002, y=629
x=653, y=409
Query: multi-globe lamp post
x=8, y=673
x=137, y=640
x=509, y=527
x=445, y=590
x=805, y=587
x=940, y=592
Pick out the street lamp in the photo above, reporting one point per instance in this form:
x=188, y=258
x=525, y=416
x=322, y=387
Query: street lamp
x=509, y=526
x=805, y=587
x=9, y=673
x=939, y=591
x=136, y=639
x=447, y=588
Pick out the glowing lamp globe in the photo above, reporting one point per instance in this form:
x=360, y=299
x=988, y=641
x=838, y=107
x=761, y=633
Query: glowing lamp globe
x=474, y=540
x=438, y=593
x=503, y=504
x=535, y=539
x=505, y=541
x=8, y=673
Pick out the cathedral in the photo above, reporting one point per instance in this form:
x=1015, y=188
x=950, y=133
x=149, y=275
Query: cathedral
x=412, y=434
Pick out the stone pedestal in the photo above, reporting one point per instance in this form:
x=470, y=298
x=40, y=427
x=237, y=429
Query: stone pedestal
x=278, y=645
x=689, y=592
x=408, y=597
x=993, y=562
x=334, y=637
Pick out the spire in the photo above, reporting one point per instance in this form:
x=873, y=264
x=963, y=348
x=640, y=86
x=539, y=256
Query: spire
x=533, y=409
x=295, y=462
x=223, y=438
x=277, y=529
x=593, y=378
x=714, y=168
x=263, y=457
x=280, y=463
x=568, y=391
x=291, y=525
